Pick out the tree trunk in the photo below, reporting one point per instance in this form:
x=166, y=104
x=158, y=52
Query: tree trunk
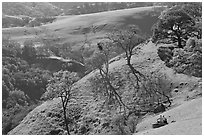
x=168, y=98
x=179, y=42
x=65, y=117
x=134, y=72
x=65, y=120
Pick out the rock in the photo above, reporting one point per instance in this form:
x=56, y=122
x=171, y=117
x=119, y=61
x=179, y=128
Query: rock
x=175, y=90
x=160, y=108
x=173, y=121
x=55, y=131
x=181, y=84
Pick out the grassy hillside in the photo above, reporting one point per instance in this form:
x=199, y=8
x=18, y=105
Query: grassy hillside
x=182, y=120
x=109, y=100
x=46, y=117
x=72, y=28
x=32, y=9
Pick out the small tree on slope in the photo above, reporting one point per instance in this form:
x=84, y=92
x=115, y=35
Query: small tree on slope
x=100, y=61
x=128, y=40
x=61, y=85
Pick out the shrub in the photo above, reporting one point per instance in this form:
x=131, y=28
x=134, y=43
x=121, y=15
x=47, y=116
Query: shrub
x=155, y=89
x=188, y=60
x=125, y=125
x=132, y=123
x=165, y=54
x=18, y=96
x=119, y=124
x=13, y=116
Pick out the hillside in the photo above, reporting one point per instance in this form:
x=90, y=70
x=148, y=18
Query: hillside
x=36, y=9
x=182, y=121
x=124, y=79
x=31, y=9
x=72, y=28
x=46, y=117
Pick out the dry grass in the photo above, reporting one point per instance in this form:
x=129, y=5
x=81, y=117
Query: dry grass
x=71, y=28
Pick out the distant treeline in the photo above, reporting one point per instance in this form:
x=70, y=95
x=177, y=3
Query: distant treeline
x=12, y=21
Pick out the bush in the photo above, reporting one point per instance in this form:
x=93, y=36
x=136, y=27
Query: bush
x=13, y=116
x=119, y=124
x=188, y=60
x=18, y=97
x=165, y=54
x=155, y=89
x=125, y=126
x=132, y=123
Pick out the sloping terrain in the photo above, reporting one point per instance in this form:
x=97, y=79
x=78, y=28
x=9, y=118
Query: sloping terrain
x=47, y=118
x=31, y=9
x=72, y=28
x=185, y=119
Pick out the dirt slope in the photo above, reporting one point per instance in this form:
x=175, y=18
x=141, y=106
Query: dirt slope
x=40, y=121
x=185, y=119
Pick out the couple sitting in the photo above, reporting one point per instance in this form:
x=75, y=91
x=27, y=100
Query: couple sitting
x=162, y=120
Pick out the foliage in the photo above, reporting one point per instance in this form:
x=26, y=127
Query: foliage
x=61, y=82
x=188, y=60
x=155, y=89
x=132, y=123
x=32, y=9
x=13, y=116
x=165, y=53
x=100, y=61
x=18, y=97
x=129, y=40
x=10, y=48
x=194, y=9
x=32, y=82
x=29, y=52
x=60, y=85
x=22, y=84
x=119, y=124
x=74, y=113
x=175, y=25
x=13, y=21
x=123, y=125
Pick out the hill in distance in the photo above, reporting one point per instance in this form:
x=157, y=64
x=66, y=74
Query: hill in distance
x=36, y=9
x=31, y=9
x=71, y=29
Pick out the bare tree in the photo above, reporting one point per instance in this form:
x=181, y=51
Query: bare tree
x=61, y=86
x=128, y=40
x=100, y=61
x=156, y=89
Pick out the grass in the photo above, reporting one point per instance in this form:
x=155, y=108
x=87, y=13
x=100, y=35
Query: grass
x=71, y=28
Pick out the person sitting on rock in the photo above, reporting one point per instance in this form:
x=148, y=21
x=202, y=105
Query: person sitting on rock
x=165, y=120
x=160, y=119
